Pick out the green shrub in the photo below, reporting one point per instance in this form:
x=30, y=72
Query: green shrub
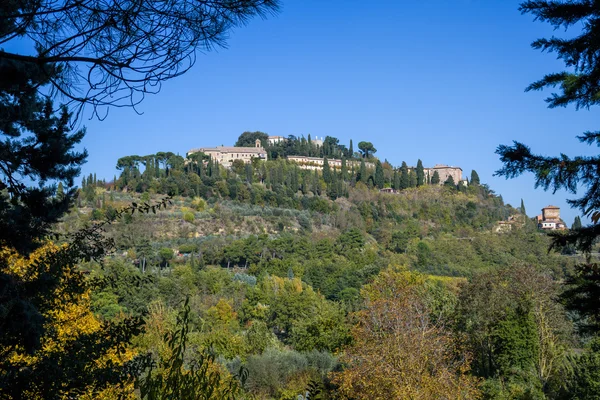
x=188, y=217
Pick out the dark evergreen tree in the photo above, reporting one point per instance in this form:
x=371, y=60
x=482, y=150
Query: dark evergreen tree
x=412, y=179
x=351, y=150
x=249, y=173
x=523, y=208
x=379, y=178
x=27, y=211
x=344, y=170
x=450, y=182
x=435, y=179
x=576, y=223
x=364, y=178
x=326, y=171
x=396, y=180
x=404, y=179
x=475, y=178
x=420, y=173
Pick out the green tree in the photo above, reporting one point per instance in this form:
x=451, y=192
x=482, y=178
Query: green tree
x=351, y=150
x=248, y=139
x=362, y=172
x=579, y=85
x=474, y=178
x=522, y=208
x=28, y=205
x=450, y=182
x=577, y=223
x=172, y=378
x=60, y=191
x=404, y=179
x=344, y=170
x=412, y=179
x=366, y=149
x=435, y=179
x=584, y=381
x=420, y=173
x=326, y=171
x=379, y=178
x=166, y=255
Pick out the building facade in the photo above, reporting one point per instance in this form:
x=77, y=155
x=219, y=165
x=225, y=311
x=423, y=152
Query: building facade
x=273, y=140
x=226, y=155
x=549, y=219
x=313, y=163
x=444, y=171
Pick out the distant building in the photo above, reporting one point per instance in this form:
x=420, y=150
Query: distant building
x=273, y=140
x=444, y=171
x=313, y=163
x=317, y=142
x=517, y=220
x=226, y=155
x=549, y=219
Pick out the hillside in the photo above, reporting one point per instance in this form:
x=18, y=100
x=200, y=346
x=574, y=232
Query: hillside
x=277, y=263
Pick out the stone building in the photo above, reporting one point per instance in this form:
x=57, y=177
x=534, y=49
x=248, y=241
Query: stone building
x=444, y=171
x=313, y=163
x=226, y=155
x=317, y=142
x=272, y=140
x=549, y=219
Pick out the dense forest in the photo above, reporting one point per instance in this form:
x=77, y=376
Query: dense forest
x=293, y=282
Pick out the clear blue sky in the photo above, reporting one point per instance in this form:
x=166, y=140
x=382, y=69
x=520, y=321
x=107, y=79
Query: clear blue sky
x=438, y=80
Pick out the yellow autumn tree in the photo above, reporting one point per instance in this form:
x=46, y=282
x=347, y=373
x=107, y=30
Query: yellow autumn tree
x=400, y=351
x=77, y=355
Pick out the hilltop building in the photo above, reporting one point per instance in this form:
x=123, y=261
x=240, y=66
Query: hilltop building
x=226, y=155
x=549, y=219
x=444, y=171
x=317, y=142
x=313, y=163
x=273, y=140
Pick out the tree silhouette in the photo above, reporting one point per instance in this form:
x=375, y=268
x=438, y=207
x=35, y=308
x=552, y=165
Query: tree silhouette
x=113, y=53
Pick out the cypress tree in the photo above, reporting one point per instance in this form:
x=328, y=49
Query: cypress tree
x=474, y=178
x=576, y=223
x=351, y=150
x=332, y=187
x=523, y=207
x=404, y=179
x=344, y=171
x=412, y=179
x=249, y=173
x=379, y=178
x=420, y=173
x=396, y=180
x=435, y=179
x=326, y=171
x=364, y=178
x=60, y=192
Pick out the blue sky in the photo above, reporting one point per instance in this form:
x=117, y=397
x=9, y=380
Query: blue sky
x=438, y=80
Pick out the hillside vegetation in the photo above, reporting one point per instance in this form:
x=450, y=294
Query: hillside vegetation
x=283, y=267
